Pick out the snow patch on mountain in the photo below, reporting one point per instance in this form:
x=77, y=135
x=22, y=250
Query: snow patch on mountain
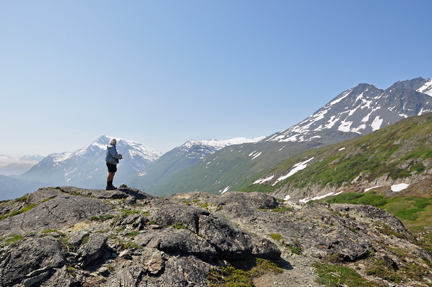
x=296, y=168
x=399, y=187
x=362, y=110
x=426, y=88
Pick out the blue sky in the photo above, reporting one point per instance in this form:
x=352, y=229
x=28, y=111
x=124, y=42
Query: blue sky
x=164, y=72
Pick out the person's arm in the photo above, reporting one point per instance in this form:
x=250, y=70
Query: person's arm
x=114, y=153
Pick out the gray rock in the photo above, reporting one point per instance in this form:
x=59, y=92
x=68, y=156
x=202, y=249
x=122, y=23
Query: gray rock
x=61, y=278
x=33, y=280
x=130, y=200
x=229, y=241
x=53, y=214
x=172, y=214
x=31, y=255
x=95, y=193
x=92, y=251
x=77, y=238
x=42, y=194
x=185, y=271
x=173, y=240
x=254, y=199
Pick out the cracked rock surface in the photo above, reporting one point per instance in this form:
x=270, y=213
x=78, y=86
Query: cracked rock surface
x=68, y=236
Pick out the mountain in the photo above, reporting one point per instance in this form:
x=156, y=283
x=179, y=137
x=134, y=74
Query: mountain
x=395, y=159
x=355, y=112
x=13, y=188
x=31, y=158
x=13, y=166
x=86, y=166
x=362, y=110
x=179, y=159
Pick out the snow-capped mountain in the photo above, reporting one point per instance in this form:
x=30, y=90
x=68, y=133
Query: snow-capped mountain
x=362, y=110
x=181, y=158
x=355, y=112
x=86, y=167
x=201, y=149
x=15, y=166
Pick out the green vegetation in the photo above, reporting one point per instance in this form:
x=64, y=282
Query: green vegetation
x=282, y=209
x=336, y=275
x=70, y=270
x=370, y=198
x=177, y=226
x=132, y=234
x=12, y=239
x=276, y=236
x=16, y=212
x=295, y=249
x=382, y=269
x=127, y=212
x=21, y=199
x=398, y=150
x=85, y=239
x=414, y=212
x=241, y=273
x=47, y=199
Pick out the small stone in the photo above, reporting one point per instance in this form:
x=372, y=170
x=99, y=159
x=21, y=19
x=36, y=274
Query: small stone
x=104, y=271
x=125, y=254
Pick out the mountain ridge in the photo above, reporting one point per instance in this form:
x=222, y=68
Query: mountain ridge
x=86, y=166
x=180, y=158
x=354, y=112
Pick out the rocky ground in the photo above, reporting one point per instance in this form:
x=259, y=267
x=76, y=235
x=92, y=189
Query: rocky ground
x=69, y=236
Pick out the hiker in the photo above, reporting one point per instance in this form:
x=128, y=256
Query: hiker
x=112, y=159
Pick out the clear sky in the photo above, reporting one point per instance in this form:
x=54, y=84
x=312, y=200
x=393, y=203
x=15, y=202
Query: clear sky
x=163, y=72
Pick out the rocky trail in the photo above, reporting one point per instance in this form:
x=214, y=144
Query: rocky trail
x=68, y=236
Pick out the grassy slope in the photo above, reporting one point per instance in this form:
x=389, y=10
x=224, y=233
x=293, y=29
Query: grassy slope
x=231, y=166
x=398, y=150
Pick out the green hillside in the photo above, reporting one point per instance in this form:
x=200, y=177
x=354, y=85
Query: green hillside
x=399, y=151
x=161, y=170
x=236, y=166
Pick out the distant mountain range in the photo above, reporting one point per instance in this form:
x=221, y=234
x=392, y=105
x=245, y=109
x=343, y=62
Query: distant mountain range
x=13, y=166
x=179, y=159
x=219, y=166
x=86, y=167
x=355, y=112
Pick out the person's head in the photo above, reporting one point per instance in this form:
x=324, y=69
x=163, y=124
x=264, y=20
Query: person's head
x=113, y=141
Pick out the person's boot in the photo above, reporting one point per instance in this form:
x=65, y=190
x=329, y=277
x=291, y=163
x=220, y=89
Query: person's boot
x=110, y=186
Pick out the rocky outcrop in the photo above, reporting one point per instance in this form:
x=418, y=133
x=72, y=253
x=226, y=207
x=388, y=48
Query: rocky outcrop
x=68, y=236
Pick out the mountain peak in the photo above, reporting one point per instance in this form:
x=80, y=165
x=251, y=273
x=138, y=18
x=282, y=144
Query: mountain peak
x=363, y=109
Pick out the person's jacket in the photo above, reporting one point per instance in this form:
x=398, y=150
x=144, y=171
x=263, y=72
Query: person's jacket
x=112, y=156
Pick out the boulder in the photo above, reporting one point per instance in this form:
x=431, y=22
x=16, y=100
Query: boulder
x=93, y=249
x=182, y=241
x=32, y=254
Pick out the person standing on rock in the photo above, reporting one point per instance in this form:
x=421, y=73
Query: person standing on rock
x=112, y=159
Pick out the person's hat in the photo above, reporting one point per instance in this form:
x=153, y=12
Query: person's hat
x=113, y=141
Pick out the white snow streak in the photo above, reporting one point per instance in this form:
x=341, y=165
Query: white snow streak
x=399, y=187
x=225, y=190
x=296, y=168
x=305, y=200
x=370, y=188
x=376, y=124
x=263, y=180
